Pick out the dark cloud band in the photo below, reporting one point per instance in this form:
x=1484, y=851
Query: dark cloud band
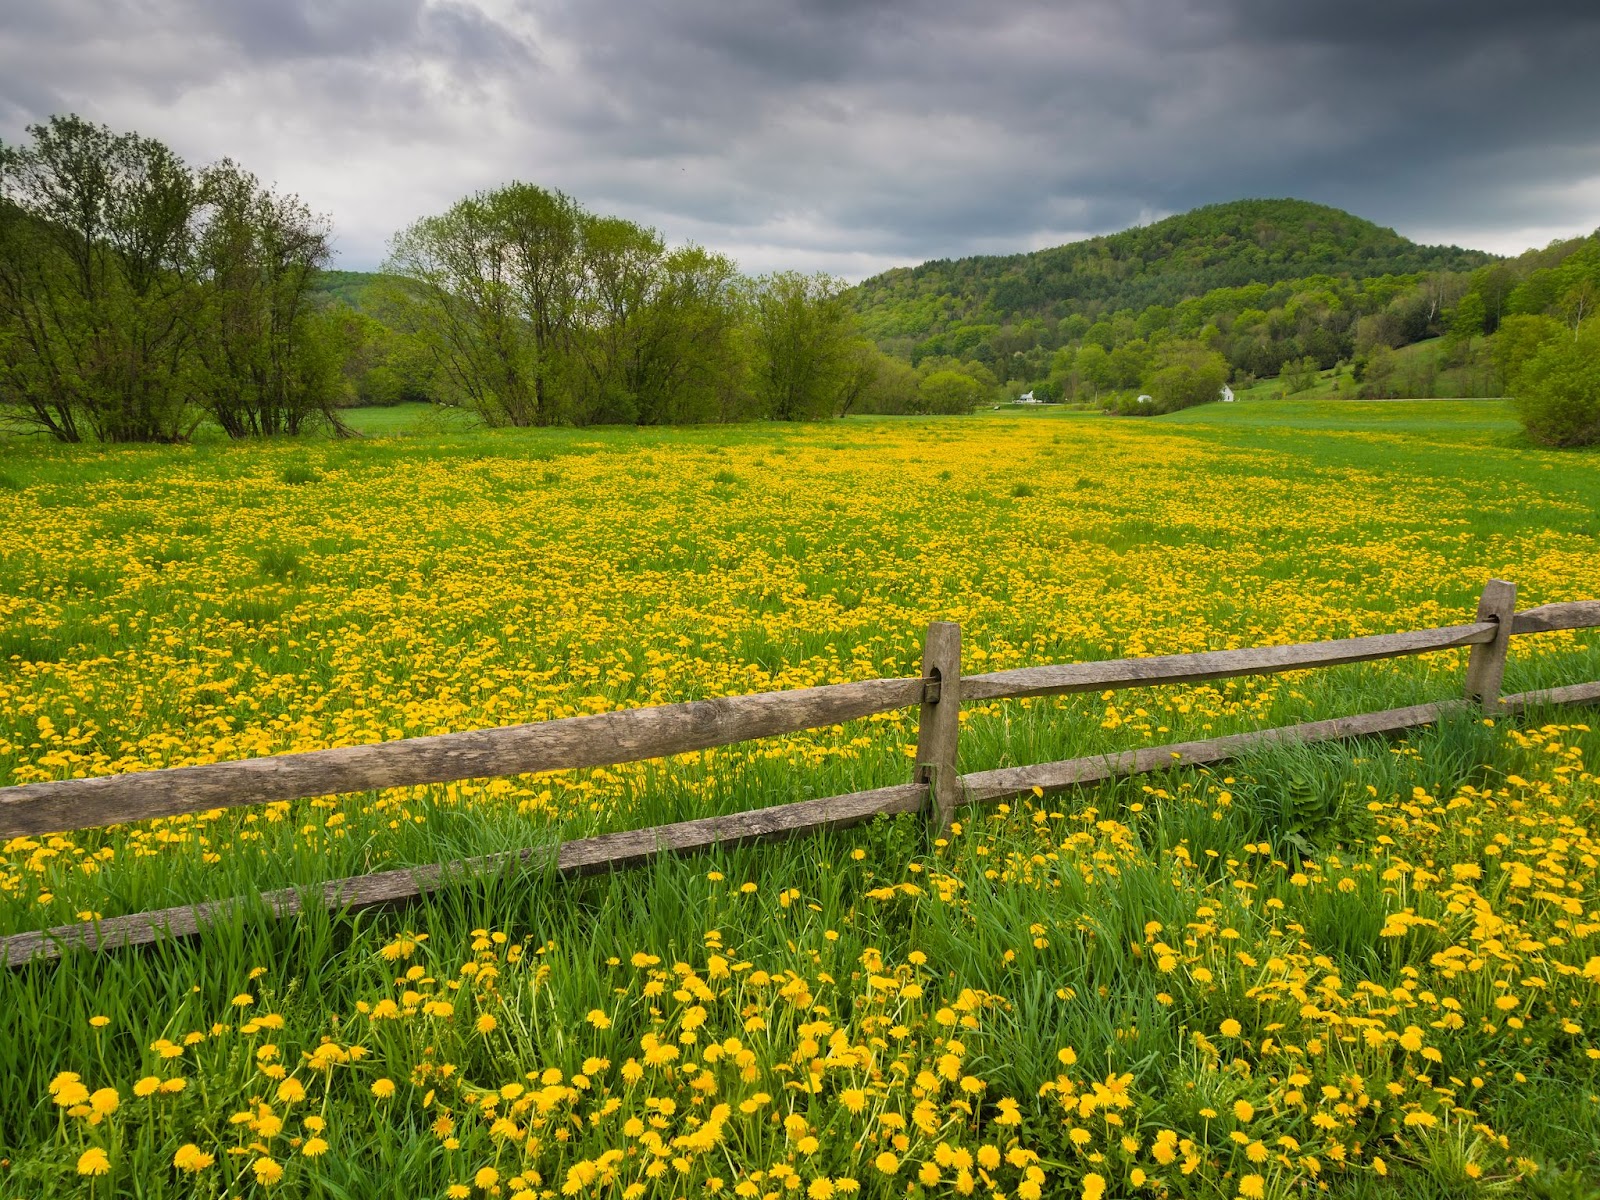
x=851, y=134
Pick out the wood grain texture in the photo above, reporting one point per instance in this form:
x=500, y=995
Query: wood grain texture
x=939, y=723
x=1073, y=772
x=588, y=856
x=1215, y=664
x=1574, y=693
x=1547, y=618
x=620, y=850
x=1486, y=667
x=601, y=740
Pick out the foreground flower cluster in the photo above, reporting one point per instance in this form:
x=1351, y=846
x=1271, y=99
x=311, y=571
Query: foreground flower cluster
x=846, y=1071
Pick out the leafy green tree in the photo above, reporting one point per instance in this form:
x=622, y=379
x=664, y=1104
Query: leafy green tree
x=1186, y=374
x=1467, y=320
x=948, y=392
x=96, y=282
x=802, y=330
x=1557, y=392
x=490, y=288
x=1092, y=370
x=1298, y=374
x=268, y=358
x=1519, y=338
x=691, y=356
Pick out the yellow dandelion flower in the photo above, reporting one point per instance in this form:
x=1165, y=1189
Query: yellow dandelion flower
x=191, y=1158
x=267, y=1171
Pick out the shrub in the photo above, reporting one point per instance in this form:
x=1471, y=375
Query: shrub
x=296, y=474
x=948, y=392
x=1557, y=392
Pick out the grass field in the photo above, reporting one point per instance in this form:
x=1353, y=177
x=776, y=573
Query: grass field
x=1368, y=970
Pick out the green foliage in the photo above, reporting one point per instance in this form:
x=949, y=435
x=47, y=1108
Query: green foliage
x=948, y=391
x=802, y=332
x=1557, y=391
x=522, y=307
x=1188, y=374
x=1298, y=374
x=1222, y=245
x=135, y=291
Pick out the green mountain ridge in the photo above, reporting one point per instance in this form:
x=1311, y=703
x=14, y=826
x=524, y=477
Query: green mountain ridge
x=1184, y=256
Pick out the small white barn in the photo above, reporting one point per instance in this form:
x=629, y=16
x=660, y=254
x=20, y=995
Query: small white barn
x=1226, y=394
x=1028, y=398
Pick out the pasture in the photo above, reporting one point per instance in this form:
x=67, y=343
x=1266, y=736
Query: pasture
x=1359, y=970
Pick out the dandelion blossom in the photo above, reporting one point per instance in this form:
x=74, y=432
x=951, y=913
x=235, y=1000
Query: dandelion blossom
x=191, y=1158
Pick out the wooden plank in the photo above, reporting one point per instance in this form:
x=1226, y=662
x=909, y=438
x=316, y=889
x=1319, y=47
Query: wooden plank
x=1215, y=664
x=1075, y=772
x=604, y=739
x=939, y=722
x=1486, y=667
x=1575, y=693
x=1007, y=782
x=635, y=847
x=586, y=856
x=1547, y=618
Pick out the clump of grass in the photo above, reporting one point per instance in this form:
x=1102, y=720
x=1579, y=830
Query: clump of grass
x=1082, y=483
x=724, y=477
x=296, y=474
x=9, y=483
x=1021, y=489
x=280, y=562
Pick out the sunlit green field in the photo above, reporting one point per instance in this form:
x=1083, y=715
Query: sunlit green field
x=1368, y=969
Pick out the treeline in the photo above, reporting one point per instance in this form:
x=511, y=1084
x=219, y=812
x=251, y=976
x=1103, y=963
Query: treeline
x=140, y=297
x=1458, y=333
x=1217, y=246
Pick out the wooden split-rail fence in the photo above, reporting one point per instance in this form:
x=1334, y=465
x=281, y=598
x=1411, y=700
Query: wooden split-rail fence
x=937, y=786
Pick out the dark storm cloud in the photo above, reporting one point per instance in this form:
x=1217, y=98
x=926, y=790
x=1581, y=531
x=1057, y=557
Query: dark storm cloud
x=849, y=134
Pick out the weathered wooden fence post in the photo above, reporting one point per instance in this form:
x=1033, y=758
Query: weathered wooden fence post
x=1487, y=665
x=939, y=721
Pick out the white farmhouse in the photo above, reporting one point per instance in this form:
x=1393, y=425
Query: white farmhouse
x=1226, y=394
x=1028, y=398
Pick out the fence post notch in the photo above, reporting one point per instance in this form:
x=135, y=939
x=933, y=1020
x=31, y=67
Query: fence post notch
x=939, y=721
x=1486, y=667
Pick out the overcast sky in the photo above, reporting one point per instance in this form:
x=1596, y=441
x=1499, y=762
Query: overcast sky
x=853, y=135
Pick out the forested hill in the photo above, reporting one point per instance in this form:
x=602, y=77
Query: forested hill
x=1220, y=245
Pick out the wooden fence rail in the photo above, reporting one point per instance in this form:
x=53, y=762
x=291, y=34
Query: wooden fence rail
x=662, y=731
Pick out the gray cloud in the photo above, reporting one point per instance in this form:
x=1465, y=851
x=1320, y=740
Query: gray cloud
x=853, y=134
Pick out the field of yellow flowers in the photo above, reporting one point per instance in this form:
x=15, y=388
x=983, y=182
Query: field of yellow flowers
x=1367, y=970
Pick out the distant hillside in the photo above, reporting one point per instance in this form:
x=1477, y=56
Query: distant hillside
x=1220, y=245
x=350, y=286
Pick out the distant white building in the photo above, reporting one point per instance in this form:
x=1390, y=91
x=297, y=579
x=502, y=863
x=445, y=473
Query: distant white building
x=1028, y=398
x=1226, y=394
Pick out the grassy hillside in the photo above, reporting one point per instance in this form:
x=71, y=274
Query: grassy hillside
x=1220, y=245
